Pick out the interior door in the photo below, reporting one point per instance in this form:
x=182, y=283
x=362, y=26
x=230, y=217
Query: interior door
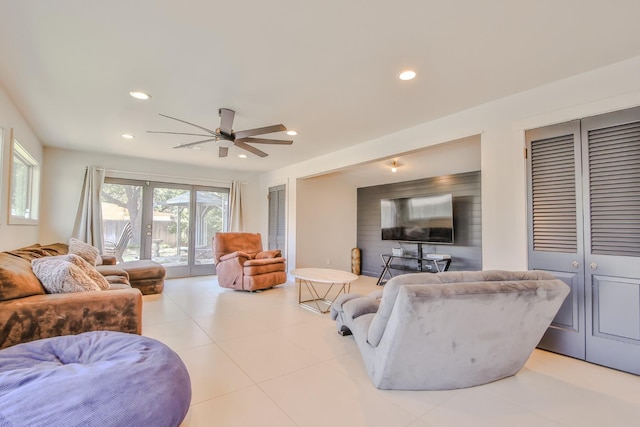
x=611, y=167
x=277, y=220
x=556, y=227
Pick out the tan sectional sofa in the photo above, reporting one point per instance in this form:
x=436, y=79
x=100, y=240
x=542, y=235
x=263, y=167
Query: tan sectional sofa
x=28, y=313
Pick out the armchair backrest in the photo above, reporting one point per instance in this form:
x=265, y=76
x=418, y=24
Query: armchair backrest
x=393, y=287
x=229, y=242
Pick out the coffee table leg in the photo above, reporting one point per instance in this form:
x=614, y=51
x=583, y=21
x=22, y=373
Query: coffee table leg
x=316, y=298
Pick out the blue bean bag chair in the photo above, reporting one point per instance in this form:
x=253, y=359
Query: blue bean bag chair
x=104, y=379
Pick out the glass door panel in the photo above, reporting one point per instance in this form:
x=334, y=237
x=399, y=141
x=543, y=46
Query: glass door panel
x=122, y=219
x=170, y=231
x=210, y=218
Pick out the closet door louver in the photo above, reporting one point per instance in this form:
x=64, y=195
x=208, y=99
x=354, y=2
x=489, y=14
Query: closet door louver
x=554, y=194
x=614, y=189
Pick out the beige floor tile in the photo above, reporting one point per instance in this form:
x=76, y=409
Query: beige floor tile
x=587, y=375
x=321, y=396
x=479, y=408
x=267, y=355
x=224, y=326
x=179, y=335
x=212, y=373
x=160, y=309
x=247, y=407
x=563, y=401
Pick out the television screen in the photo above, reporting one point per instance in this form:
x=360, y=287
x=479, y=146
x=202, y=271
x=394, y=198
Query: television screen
x=426, y=219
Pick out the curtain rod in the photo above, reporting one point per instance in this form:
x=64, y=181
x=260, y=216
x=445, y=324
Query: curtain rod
x=157, y=175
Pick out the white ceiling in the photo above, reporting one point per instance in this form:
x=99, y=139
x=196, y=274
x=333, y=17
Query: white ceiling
x=324, y=68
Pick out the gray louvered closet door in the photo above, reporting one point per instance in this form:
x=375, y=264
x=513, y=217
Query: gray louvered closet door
x=602, y=314
x=555, y=227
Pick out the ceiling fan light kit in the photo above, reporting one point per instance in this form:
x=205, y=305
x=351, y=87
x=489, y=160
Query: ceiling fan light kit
x=394, y=166
x=225, y=137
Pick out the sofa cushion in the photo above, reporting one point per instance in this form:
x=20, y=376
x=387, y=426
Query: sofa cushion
x=54, y=249
x=89, y=253
x=17, y=279
x=60, y=275
x=143, y=269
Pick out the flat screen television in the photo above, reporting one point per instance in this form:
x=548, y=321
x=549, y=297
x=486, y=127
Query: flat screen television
x=427, y=219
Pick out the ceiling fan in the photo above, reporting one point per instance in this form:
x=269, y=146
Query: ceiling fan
x=226, y=137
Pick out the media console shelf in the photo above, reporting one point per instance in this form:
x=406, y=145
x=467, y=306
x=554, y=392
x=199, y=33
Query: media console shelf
x=433, y=263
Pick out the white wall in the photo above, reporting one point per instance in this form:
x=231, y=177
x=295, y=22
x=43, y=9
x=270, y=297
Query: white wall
x=502, y=125
x=64, y=170
x=14, y=236
x=326, y=211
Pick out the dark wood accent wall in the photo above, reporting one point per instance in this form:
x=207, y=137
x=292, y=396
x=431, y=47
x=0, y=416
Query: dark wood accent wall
x=467, y=221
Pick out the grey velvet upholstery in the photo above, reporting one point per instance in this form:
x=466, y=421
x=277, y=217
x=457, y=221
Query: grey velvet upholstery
x=450, y=330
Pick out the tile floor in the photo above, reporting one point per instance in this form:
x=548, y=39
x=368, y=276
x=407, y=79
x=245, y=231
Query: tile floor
x=261, y=360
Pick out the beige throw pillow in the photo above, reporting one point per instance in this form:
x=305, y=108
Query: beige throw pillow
x=59, y=276
x=89, y=270
x=89, y=253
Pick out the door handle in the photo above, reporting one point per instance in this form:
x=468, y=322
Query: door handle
x=593, y=266
x=575, y=264
x=148, y=233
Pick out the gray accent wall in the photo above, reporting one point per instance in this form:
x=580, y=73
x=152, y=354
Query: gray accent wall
x=466, y=251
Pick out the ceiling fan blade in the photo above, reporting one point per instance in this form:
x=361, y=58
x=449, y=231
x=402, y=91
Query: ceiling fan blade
x=191, y=144
x=192, y=124
x=223, y=151
x=266, y=141
x=259, y=131
x=177, y=133
x=250, y=149
x=226, y=120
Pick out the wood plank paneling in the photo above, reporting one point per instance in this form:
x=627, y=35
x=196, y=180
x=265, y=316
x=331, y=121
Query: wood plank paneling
x=467, y=220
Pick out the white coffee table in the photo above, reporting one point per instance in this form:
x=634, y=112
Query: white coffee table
x=312, y=277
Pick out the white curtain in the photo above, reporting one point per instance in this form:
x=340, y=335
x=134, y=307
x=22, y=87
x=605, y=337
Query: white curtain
x=235, y=207
x=88, y=225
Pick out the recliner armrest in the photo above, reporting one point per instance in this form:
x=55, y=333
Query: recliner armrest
x=264, y=261
x=275, y=253
x=236, y=254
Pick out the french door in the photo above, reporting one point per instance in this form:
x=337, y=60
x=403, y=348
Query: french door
x=584, y=227
x=172, y=224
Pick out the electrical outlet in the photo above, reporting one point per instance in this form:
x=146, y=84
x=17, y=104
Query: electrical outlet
x=328, y=261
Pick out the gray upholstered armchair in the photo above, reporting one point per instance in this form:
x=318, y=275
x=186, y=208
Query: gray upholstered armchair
x=241, y=263
x=450, y=330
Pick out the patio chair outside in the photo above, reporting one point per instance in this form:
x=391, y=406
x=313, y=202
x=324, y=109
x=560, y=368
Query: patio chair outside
x=117, y=249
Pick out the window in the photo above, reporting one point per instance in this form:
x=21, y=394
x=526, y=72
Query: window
x=25, y=186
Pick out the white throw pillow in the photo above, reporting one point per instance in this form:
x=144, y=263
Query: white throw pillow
x=58, y=275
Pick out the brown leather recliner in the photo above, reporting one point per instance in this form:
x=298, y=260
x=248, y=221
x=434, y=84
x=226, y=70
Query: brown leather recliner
x=241, y=263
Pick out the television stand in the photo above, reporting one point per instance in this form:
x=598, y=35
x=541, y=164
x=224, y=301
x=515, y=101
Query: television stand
x=434, y=263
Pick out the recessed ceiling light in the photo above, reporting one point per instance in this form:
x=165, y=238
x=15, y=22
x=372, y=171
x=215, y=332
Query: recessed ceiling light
x=242, y=156
x=139, y=95
x=292, y=133
x=127, y=136
x=195, y=148
x=407, y=75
